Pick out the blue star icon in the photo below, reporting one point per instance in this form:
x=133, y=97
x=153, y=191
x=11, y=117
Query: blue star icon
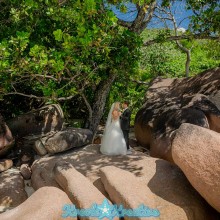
x=107, y=210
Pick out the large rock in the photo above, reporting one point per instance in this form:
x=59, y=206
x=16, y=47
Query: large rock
x=125, y=188
x=172, y=193
x=12, y=187
x=171, y=102
x=45, y=204
x=43, y=120
x=80, y=189
x=25, y=171
x=5, y=164
x=196, y=151
x=56, y=142
x=32, y=126
x=39, y=146
x=6, y=138
x=67, y=139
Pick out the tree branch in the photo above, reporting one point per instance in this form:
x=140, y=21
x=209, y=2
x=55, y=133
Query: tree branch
x=138, y=6
x=65, y=98
x=87, y=105
x=40, y=97
x=150, y=12
x=145, y=13
x=139, y=82
x=182, y=37
x=184, y=49
x=44, y=76
x=124, y=23
x=29, y=96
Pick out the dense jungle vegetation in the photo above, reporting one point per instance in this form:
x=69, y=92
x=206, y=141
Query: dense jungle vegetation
x=80, y=55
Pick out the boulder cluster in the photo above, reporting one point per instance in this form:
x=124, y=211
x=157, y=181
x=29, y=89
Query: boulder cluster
x=180, y=122
x=46, y=167
x=86, y=177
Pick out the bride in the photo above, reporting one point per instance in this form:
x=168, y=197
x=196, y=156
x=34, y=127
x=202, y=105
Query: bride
x=113, y=142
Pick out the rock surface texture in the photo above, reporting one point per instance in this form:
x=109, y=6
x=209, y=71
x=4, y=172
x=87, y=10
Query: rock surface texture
x=42, y=132
x=45, y=204
x=25, y=171
x=124, y=188
x=80, y=189
x=12, y=188
x=43, y=120
x=165, y=186
x=196, y=151
x=67, y=139
x=5, y=164
x=171, y=102
x=6, y=138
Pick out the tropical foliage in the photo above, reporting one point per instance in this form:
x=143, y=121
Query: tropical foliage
x=79, y=54
x=55, y=50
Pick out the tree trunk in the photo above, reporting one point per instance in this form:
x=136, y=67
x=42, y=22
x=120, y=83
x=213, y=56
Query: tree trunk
x=144, y=16
x=99, y=101
x=188, y=59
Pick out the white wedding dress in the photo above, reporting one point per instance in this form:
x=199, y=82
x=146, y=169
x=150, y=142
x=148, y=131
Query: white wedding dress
x=113, y=142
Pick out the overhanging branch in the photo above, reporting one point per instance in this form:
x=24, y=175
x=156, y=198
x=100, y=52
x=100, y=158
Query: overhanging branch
x=87, y=105
x=124, y=23
x=182, y=37
x=26, y=95
x=140, y=82
x=40, y=97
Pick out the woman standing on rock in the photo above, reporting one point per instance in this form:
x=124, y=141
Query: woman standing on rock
x=113, y=142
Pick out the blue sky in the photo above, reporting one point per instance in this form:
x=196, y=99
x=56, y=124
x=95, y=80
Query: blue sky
x=178, y=8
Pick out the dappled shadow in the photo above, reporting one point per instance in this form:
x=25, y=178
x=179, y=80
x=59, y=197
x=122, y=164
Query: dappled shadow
x=95, y=160
x=100, y=186
x=12, y=191
x=171, y=102
x=170, y=184
x=43, y=120
x=87, y=161
x=67, y=139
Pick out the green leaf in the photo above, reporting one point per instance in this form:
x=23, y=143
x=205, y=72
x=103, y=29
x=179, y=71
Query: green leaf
x=58, y=34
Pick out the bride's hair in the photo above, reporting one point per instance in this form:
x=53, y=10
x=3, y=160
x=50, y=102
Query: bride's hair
x=117, y=106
